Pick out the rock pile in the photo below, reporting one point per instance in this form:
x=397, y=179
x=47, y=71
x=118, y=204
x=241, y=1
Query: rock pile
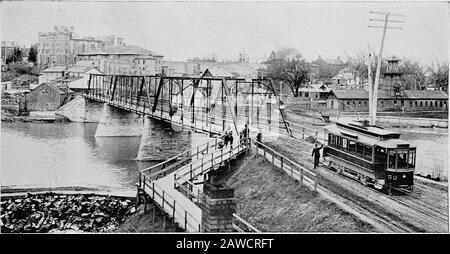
x=52, y=212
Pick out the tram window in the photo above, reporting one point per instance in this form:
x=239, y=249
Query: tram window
x=412, y=159
x=352, y=146
x=402, y=157
x=359, y=149
x=368, y=153
x=344, y=144
x=391, y=159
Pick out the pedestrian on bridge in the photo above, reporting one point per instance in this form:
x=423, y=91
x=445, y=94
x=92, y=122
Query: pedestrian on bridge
x=231, y=138
x=316, y=154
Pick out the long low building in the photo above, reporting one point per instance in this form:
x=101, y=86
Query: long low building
x=407, y=100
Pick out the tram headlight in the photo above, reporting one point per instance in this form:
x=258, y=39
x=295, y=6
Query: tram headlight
x=404, y=176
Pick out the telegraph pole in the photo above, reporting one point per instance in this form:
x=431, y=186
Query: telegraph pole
x=370, y=88
x=385, y=26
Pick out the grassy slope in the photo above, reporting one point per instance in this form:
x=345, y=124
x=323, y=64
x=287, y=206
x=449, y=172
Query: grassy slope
x=271, y=201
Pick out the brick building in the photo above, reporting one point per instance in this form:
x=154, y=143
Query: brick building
x=407, y=100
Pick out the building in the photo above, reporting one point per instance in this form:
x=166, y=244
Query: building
x=327, y=68
x=357, y=100
x=344, y=80
x=179, y=68
x=75, y=77
x=61, y=46
x=128, y=59
x=48, y=97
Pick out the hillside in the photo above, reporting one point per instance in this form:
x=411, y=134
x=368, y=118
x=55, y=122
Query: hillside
x=271, y=201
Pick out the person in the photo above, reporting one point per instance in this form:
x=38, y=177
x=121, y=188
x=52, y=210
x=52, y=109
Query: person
x=231, y=138
x=225, y=139
x=259, y=138
x=316, y=154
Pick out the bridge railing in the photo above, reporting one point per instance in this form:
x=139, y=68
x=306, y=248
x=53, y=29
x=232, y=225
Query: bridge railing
x=241, y=225
x=174, y=163
x=203, y=165
x=169, y=205
x=296, y=171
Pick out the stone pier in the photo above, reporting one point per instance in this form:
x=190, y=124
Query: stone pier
x=116, y=122
x=218, y=205
x=81, y=110
x=161, y=142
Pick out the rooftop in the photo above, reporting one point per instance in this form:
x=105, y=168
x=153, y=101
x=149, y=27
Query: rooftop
x=123, y=50
x=408, y=94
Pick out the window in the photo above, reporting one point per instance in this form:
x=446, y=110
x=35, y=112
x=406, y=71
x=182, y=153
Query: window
x=359, y=103
x=306, y=94
x=354, y=103
x=352, y=146
x=365, y=103
x=332, y=103
x=441, y=104
x=359, y=149
x=402, y=103
x=421, y=103
x=300, y=94
x=344, y=144
x=445, y=104
x=391, y=159
x=348, y=102
x=426, y=103
x=412, y=158
x=331, y=139
x=395, y=102
x=410, y=103
x=368, y=153
x=402, y=159
x=415, y=103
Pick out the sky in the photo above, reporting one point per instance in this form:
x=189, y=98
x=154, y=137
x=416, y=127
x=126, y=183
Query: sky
x=180, y=30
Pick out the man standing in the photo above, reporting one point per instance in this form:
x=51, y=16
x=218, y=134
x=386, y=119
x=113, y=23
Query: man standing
x=316, y=154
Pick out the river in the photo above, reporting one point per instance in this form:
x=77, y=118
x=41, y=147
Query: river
x=69, y=155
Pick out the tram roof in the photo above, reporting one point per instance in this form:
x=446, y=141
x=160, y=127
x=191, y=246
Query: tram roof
x=370, y=136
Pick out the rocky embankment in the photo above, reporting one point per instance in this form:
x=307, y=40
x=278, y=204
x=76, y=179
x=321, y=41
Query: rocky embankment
x=52, y=212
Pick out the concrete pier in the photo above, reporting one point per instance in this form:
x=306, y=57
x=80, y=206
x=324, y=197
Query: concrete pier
x=116, y=122
x=160, y=142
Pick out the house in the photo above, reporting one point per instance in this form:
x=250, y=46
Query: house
x=327, y=68
x=216, y=72
x=407, y=100
x=51, y=73
x=6, y=85
x=48, y=97
x=79, y=76
x=344, y=79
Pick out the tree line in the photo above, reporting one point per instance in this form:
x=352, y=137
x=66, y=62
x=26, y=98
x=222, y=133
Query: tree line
x=287, y=66
x=16, y=55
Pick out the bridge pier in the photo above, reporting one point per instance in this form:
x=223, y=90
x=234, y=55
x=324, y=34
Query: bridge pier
x=161, y=142
x=116, y=122
x=81, y=110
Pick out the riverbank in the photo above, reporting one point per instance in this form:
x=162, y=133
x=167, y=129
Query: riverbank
x=32, y=117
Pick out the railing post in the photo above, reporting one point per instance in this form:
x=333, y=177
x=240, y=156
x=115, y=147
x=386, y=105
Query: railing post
x=303, y=132
x=163, y=200
x=173, y=211
x=212, y=161
x=153, y=188
x=202, y=165
x=281, y=162
x=185, y=220
x=143, y=187
x=273, y=158
x=174, y=181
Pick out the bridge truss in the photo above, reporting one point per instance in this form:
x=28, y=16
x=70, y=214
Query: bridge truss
x=208, y=104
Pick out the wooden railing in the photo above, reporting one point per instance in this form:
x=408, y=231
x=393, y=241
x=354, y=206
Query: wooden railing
x=202, y=166
x=169, y=205
x=179, y=160
x=241, y=225
x=292, y=168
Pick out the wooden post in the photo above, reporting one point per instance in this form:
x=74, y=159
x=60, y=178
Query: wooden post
x=185, y=220
x=173, y=212
x=174, y=181
x=153, y=187
x=145, y=205
x=281, y=162
x=212, y=161
x=163, y=200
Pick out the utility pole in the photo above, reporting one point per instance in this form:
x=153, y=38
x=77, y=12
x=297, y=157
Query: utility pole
x=385, y=26
x=370, y=88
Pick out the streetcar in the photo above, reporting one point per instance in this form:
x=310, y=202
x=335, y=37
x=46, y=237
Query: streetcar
x=370, y=154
